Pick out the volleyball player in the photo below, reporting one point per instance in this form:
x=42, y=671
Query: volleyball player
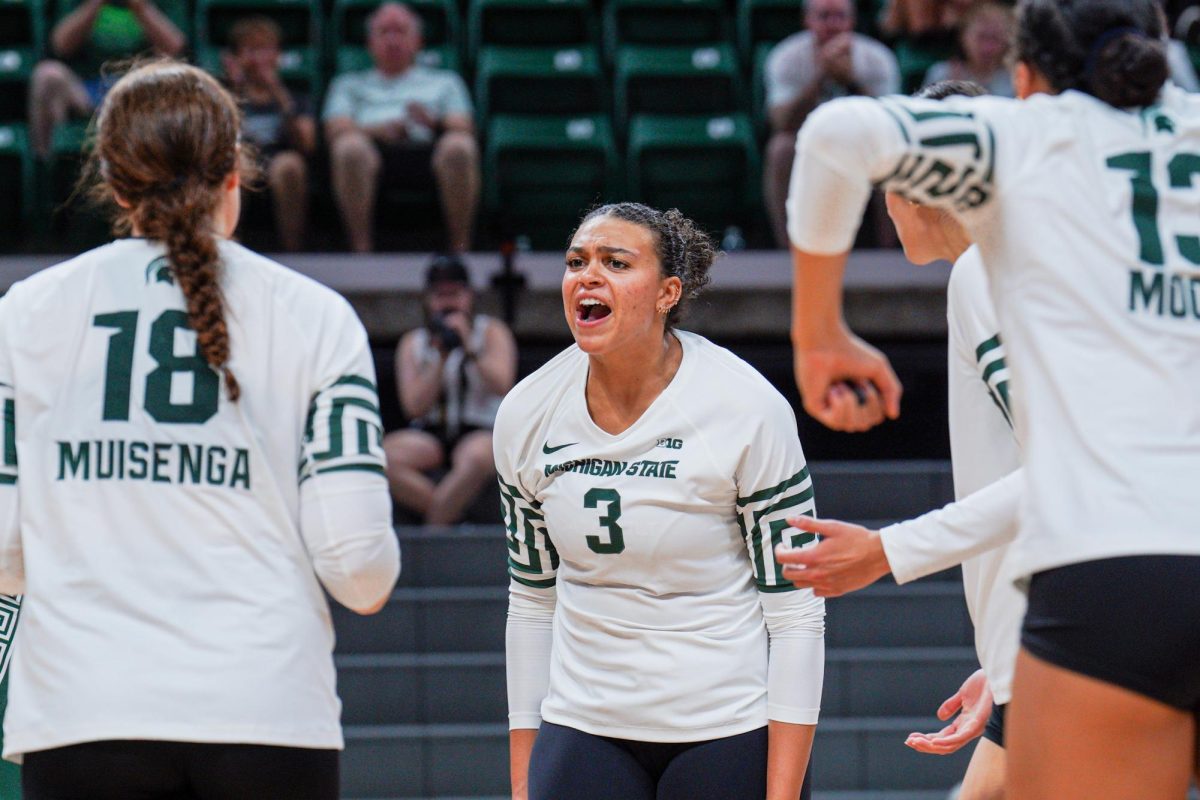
x=191, y=450
x=646, y=474
x=1083, y=204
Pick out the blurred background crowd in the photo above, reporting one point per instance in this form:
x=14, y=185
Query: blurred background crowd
x=454, y=125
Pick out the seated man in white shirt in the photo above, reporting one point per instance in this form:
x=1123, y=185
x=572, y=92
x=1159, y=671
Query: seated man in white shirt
x=825, y=60
x=401, y=121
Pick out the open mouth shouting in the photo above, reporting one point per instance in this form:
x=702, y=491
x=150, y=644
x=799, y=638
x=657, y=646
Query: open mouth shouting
x=590, y=311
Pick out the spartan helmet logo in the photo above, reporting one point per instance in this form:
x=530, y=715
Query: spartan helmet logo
x=160, y=271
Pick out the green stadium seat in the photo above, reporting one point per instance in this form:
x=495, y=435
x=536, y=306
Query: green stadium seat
x=665, y=22
x=766, y=22
x=707, y=167
x=542, y=173
x=676, y=80
x=16, y=176
x=538, y=80
x=758, y=79
x=72, y=220
x=22, y=31
x=441, y=32
x=915, y=60
x=299, y=20
x=530, y=23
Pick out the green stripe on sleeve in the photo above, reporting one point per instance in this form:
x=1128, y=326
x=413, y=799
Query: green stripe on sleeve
x=546, y=584
x=770, y=492
x=986, y=347
x=354, y=380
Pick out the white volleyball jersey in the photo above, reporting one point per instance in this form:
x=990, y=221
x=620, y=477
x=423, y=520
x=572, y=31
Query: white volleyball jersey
x=1088, y=220
x=984, y=449
x=654, y=551
x=169, y=540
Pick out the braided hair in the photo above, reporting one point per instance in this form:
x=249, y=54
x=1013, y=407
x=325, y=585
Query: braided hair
x=166, y=139
x=684, y=251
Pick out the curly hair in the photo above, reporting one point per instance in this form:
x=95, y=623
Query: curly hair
x=683, y=249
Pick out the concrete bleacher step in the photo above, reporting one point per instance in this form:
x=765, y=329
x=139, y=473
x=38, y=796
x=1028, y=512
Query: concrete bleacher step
x=471, y=619
x=856, y=754
x=467, y=688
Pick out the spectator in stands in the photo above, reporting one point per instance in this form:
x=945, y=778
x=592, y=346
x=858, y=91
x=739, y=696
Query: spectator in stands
x=401, y=121
x=277, y=121
x=95, y=32
x=986, y=37
x=928, y=23
x=450, y=375
x=826, y=60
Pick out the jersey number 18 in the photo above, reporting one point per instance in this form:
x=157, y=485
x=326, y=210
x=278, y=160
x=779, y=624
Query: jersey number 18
x=118, y=372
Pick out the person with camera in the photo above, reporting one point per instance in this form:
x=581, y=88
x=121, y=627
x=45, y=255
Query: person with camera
x=88, y=34
x=450, y=376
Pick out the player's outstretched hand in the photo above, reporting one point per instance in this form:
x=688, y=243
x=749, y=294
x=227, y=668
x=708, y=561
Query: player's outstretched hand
x=847, y=558
x=973, y=704
x=846, y=384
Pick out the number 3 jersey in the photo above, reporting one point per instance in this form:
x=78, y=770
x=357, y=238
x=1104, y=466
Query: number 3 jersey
x=173, y=543
x=643, y=580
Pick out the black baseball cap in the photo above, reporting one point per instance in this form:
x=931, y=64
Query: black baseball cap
x=447, y=269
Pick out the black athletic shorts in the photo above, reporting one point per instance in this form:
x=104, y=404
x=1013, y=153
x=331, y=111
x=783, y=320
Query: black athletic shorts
x=994, y=732
x=146, y=770
x=1133, y=622
x=568, y=764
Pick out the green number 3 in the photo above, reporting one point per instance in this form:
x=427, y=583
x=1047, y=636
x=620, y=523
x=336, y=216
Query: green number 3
x=118, y=374
x=616, y=537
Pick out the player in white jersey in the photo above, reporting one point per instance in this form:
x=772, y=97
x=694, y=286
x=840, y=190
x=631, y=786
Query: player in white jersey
x=646, y=474
x=1083, y=204
x=191, y=451
x=984, y=450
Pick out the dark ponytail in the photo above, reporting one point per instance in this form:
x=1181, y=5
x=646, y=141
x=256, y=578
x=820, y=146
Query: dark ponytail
x=166, y=140
x=1110, y=49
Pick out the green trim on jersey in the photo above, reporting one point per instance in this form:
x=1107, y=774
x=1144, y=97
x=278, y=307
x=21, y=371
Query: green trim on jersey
x=998, y=390
x=347, y=414
x=769, y=492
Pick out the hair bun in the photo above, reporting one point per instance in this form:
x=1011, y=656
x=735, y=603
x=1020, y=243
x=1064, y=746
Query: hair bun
x=1129, y=71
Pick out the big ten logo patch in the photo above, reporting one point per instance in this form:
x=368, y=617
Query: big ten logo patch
x=670, y=444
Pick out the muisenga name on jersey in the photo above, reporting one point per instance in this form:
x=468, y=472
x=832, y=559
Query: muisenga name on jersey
x=160, y=462
x=1165, y=296
x=603, y=467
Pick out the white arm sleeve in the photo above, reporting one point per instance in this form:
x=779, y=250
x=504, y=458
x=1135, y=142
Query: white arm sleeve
x=936, y=152
x=532, y=570
x=345, y=507
x=774, y=484
x=12, y=556
x=527, y=644
x=796, y=670
x=950, y=535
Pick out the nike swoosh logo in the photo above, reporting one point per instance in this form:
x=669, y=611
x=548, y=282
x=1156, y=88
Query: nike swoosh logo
x=547, y=449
